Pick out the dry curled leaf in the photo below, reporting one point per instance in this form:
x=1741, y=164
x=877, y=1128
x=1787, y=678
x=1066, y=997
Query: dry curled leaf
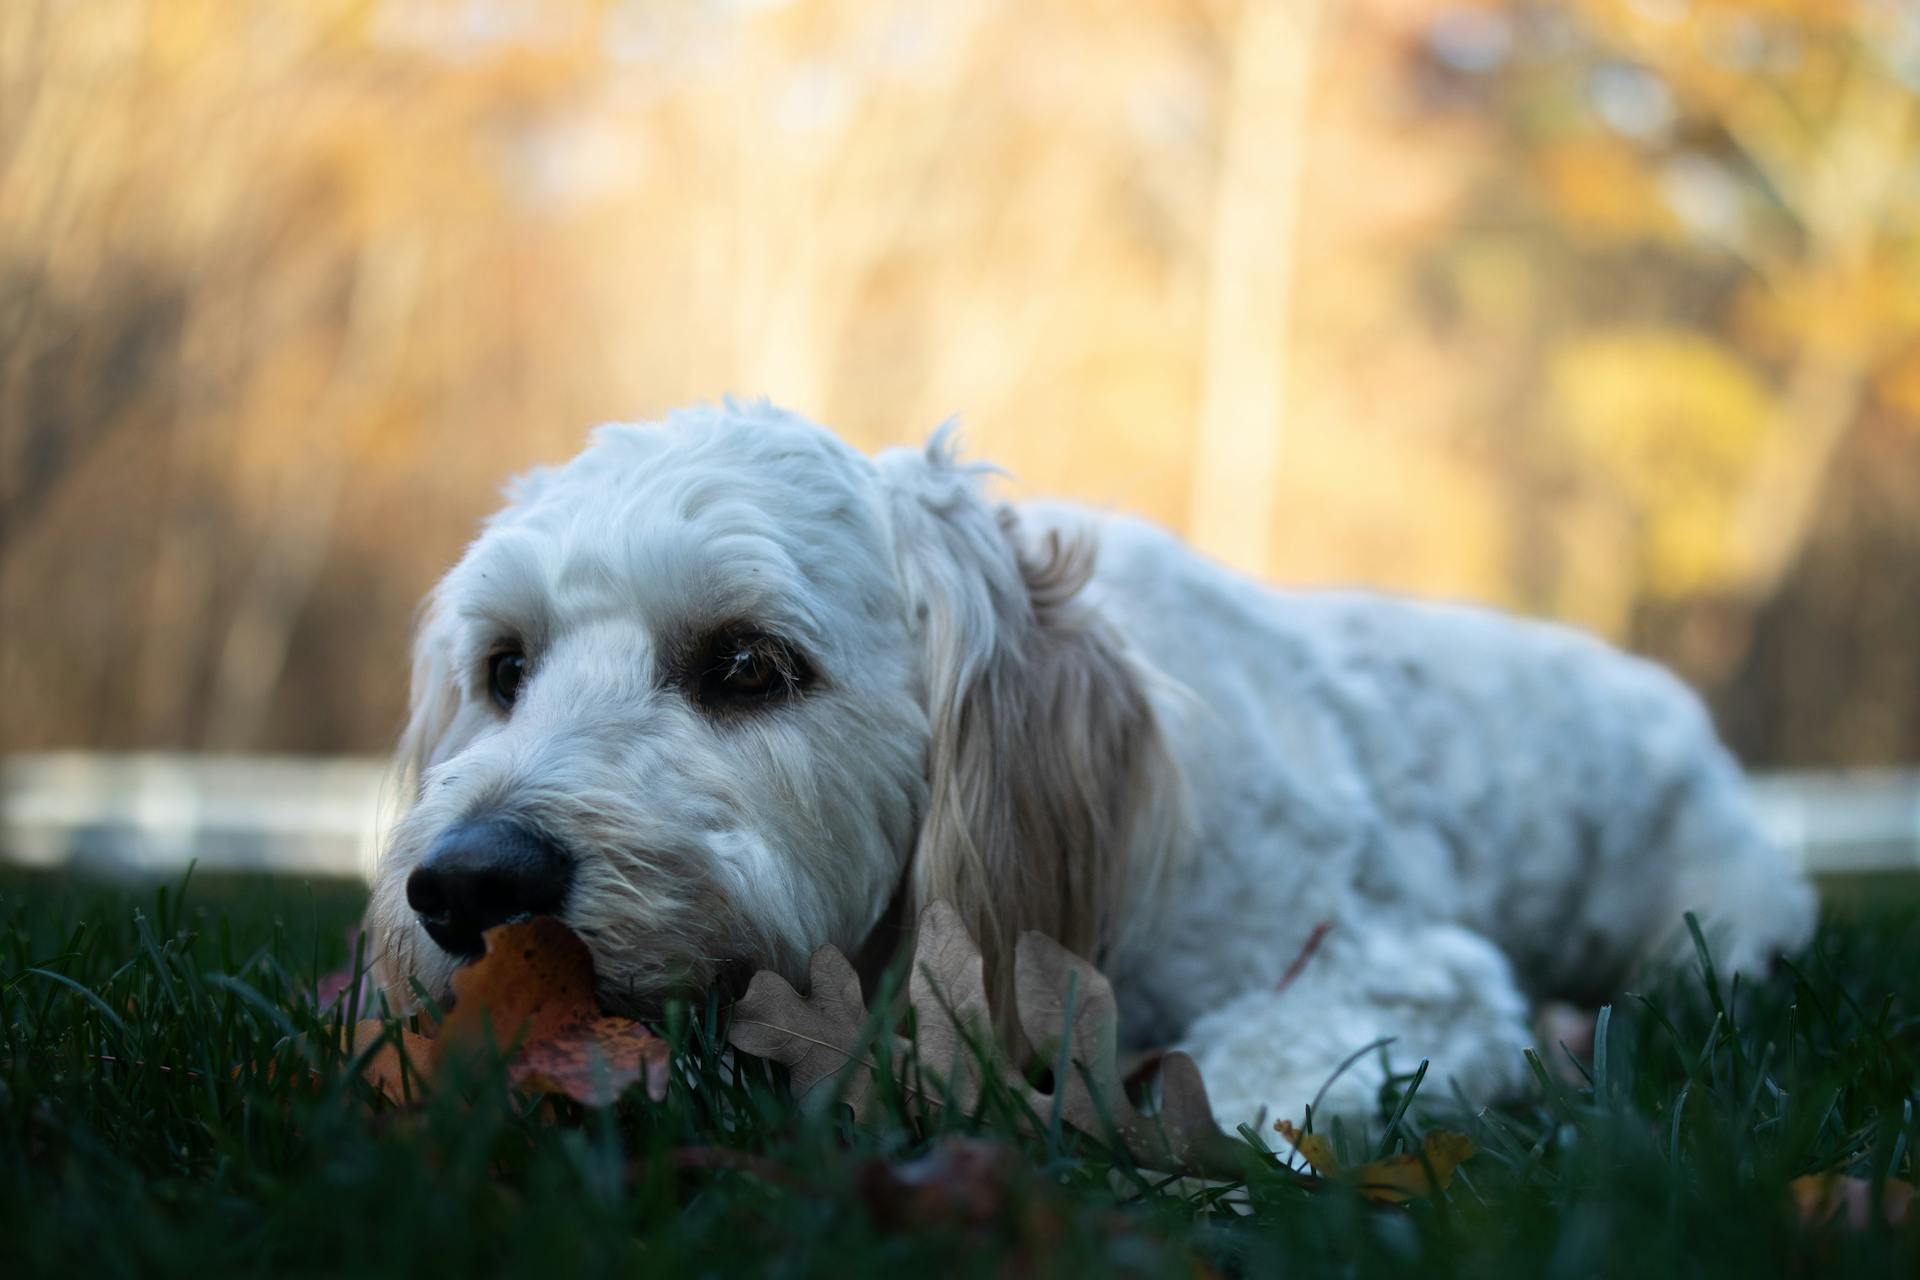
x=1063, y=1002
x=1820, y=1198
x=1391, y=1179
x=531, y=991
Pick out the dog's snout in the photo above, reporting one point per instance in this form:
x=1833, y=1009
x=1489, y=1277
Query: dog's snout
x=482, y=873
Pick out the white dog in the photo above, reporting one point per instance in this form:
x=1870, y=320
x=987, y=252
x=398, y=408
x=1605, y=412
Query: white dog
x=721, y=690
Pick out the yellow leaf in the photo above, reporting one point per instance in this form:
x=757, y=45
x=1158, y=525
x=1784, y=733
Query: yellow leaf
x=1820, y=1198
x=1392, y=1179
x=1314, y=1146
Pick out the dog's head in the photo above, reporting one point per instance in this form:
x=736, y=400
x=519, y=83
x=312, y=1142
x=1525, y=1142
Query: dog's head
x=718, y=689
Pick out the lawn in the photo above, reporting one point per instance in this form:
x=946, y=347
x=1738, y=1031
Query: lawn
x=171, y=1102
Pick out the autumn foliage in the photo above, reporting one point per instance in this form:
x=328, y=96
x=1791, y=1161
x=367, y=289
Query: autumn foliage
x=1605, y=310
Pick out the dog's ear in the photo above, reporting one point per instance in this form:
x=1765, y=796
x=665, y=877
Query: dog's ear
x=1052, y=794
x=433, y=706
x=436, y=728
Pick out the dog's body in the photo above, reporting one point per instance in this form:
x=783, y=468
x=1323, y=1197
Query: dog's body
x=770, y=685
x=1483, y=813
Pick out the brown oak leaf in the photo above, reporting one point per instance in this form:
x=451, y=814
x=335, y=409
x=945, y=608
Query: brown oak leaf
x=1180, y=1135
x=948, y=991
x=1061, y=1001
x=815, y=1036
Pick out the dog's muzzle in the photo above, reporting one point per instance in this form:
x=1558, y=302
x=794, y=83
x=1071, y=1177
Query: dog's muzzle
x=485, y=872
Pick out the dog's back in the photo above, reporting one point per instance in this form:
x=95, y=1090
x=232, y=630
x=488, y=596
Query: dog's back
x=1521, y=778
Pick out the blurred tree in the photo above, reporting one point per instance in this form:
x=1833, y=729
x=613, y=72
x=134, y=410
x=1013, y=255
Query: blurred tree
x=1830, y=677
x=1250, y=294
x=1575, y=307
x=215, y=224
x=1720, y=202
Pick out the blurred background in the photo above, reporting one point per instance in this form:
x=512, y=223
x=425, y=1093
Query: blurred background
x=1604, y=310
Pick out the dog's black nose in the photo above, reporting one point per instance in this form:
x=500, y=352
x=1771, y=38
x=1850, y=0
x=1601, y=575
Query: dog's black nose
x=483, y=873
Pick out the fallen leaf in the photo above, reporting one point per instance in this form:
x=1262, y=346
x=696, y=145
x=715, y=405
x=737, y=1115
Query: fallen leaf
x=1821, y=1197
x=948, y=992
x=533, y=990
x=383, y=1069
x=815, y=1036
x=959, y=1182
x=532, y=994
x=983, y=1193
x=1317, y=1148
x=1180, y=1135
x=1391, y=1179
x=1061, y=1000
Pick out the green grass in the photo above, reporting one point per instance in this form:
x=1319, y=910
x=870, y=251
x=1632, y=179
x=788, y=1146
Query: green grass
x=157, y=1116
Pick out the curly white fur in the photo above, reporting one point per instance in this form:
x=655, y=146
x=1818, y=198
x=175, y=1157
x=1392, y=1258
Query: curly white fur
x=1067, y=722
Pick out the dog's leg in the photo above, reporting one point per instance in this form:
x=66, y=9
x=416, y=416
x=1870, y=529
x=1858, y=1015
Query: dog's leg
x=1439, y=991
x=1751, y=902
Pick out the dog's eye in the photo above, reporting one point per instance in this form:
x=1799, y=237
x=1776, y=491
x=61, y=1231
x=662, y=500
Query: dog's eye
x=741, y=669
x=505, y=672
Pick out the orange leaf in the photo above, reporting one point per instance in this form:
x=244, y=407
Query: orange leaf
x=534, y=989
x=383, y=1069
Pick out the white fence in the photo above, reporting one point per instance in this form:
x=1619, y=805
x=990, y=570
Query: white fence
x=156, y=812
x=322, y=816
x=1845, y=822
